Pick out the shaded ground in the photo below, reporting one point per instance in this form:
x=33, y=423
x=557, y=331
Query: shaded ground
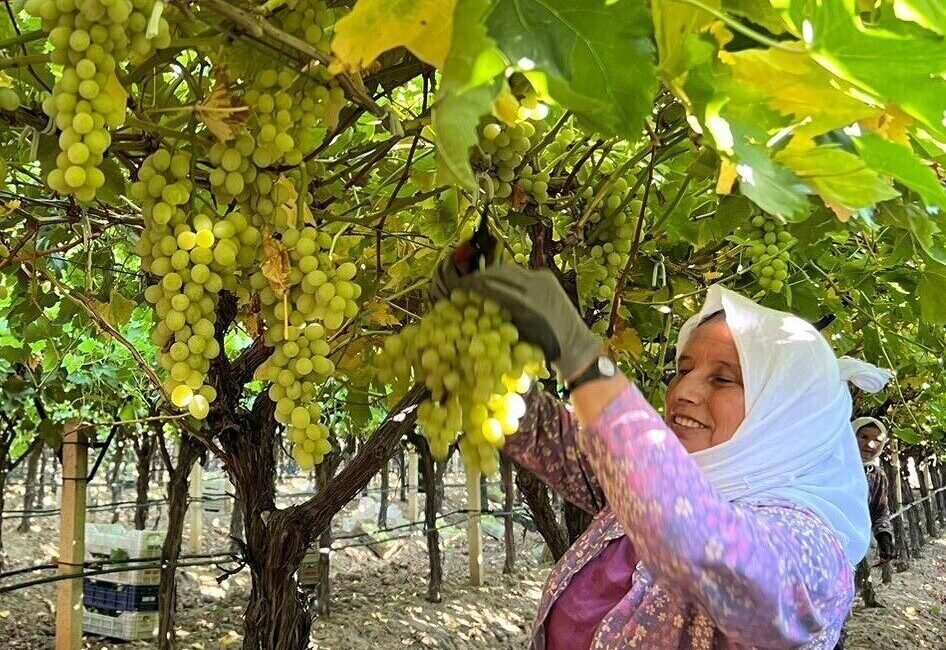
x=379, y=603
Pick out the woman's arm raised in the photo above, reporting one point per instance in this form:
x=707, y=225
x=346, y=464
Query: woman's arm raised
x=771, y=576
x=546, y=445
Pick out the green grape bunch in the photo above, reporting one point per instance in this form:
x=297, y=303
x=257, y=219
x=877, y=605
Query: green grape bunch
x=503, y=147
x=468, y=354
x=311, y=297
x=610, y=231
x=90, y=39
x=191, y=258
x=769, y=246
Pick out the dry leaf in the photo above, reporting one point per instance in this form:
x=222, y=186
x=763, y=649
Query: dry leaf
x=381, y=314
x=222, y=114
x=229, y=639
x=893, y=124
x=275, y=266
x=842, y=213
x=727, y=176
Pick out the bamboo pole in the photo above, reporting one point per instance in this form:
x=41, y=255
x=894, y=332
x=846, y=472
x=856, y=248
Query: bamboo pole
x=196, y=510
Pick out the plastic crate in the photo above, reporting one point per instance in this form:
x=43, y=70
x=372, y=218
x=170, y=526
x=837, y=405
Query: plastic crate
x=216, y=500
x=102, y=595
x=103, y=540
x=128, y=626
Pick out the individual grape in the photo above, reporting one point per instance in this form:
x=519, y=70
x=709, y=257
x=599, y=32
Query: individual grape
x=468, y=354
x=9, y=100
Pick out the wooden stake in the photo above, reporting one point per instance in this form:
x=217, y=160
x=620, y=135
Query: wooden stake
x=474, y=527
x=75, y=468
x=196, y=509
x=412, y=485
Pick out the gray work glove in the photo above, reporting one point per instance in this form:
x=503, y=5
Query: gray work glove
x=539, y=307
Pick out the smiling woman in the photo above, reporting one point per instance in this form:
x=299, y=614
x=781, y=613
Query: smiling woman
x=737, y=521
x=705, y=401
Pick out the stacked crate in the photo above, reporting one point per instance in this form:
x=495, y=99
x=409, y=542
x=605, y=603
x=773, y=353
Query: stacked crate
x=308, y=573
x=216, y=497
x=124, y=604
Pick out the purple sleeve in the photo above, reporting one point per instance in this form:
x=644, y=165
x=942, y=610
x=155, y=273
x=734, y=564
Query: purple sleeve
x=767, y=575
x=546, y=446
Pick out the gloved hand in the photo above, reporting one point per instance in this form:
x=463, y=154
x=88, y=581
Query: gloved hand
x=539, y=307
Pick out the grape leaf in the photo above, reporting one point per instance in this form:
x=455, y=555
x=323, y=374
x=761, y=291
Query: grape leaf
x=900, y=163
x=469, y=83
x=838, y=176
x=930, y=14
x=595, y=57
x=905, y=68
x=375, y=26
x=761, y=13
x=673, y=21
x=793, y=84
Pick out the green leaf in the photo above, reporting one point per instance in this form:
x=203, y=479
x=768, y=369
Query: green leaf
x=673, y=22
x=119, y=308
x=932, y=297
x=469, y=83
x=761, y=13
x=50, y=432
x=900, y=163
x=14, y=354
x=773, y=187
x=908, y=436
x=841, y=178
x=903, y=68
x=595, y=57
x=925, y=231
x=930, y=14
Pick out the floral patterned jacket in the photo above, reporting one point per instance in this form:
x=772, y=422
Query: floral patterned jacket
x=713, y=574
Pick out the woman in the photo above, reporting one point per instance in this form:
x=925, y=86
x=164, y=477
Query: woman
x=871, y=435
x=734, y=521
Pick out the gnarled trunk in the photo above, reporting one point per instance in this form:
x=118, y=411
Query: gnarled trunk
x=383, y=502
x=509, y=501
x=29, y=494
x=144, y=453
x=115, y=478
x=537, y=497
x=432, y=502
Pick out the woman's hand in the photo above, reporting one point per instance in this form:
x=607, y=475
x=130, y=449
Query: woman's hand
x=539, y=308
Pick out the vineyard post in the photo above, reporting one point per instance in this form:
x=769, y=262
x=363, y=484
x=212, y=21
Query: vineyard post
x=899, y=527
x=196, y=508
x=75, y=467
x=474, y=527
x=926, y=487
x=509, y=502
x=941, y=496
x=412, y=484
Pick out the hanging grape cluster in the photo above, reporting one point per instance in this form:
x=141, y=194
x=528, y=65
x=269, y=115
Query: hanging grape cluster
x=468, y=354
x=503, y=147
x=769, y=247
x=610, y=231
x=193, y=258
x=304, y=297
x=90, y=38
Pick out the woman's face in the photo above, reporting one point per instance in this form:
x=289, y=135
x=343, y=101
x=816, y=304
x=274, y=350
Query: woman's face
x=706, y=401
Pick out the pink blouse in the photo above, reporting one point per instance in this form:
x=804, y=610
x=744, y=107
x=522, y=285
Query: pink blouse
x=711, y=573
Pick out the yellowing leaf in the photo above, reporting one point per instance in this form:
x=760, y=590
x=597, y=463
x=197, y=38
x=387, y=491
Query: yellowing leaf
x=376, y=26
x=626, y=342
x=893, y=124
x=221, y=114
x=290, y=205
x=795, y=85
x=673, y=22
x=381, y=314
x=727, y=176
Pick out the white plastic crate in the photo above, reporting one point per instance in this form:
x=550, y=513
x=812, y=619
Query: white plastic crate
x=102, y=540
x=308, y=573
x=129, y=626
x=215, y=497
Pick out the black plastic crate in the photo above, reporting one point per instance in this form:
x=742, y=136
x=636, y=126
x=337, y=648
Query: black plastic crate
x=113, y=597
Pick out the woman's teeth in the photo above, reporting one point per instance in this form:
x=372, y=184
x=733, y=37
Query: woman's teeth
x=689, y=423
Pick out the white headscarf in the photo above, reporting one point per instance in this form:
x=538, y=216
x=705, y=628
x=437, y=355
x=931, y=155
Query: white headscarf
x=796, y=441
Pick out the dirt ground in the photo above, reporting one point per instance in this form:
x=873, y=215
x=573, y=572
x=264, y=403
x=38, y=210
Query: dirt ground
x=378, y=602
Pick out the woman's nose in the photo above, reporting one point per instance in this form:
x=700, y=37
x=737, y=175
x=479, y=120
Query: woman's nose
x=689, y=389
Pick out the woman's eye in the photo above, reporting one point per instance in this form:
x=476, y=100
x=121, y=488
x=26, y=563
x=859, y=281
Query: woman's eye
x=724, y=380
